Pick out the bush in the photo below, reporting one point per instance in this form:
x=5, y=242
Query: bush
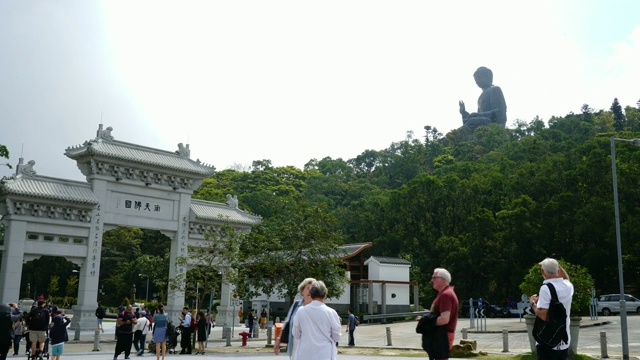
x=580, y=278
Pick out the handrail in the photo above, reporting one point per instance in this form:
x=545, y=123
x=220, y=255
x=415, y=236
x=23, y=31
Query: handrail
x=393, y=315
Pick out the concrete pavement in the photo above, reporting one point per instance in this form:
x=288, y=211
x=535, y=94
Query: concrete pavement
x=402, y=335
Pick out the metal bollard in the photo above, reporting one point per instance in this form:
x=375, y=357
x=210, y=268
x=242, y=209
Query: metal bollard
x=389, y=343
x=269, y=334
x=228, y=337
x=505, y=340
x=96, y=341
x=464, y=333
x=76, y=335
x=256, y=331
x=603, y=345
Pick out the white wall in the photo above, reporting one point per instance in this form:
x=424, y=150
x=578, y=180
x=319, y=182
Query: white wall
x=390, y=273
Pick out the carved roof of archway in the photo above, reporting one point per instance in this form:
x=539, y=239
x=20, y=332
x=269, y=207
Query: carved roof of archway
x=104, y=146
x=48, y=188
x=211, y=211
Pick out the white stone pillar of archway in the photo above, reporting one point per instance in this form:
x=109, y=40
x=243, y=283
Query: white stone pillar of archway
x=179, y=248
x=226, y=312
x=89, y=275
x=12, y=258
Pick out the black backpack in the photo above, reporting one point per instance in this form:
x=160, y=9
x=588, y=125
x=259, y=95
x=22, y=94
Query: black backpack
x=38, y=319
x=551, y=332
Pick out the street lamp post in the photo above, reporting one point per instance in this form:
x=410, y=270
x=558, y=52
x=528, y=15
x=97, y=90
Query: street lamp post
x=147, y=295
x=623, y=306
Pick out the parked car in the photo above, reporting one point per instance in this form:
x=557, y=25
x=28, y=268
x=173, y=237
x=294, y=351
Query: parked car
x=519, y=309
x=610, y=304
x=490, y=310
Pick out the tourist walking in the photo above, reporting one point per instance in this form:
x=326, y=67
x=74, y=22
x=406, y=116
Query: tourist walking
x=100, y=313
x=351, y=327
x=126, y=321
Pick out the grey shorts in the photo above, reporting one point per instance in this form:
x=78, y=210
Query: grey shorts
x=35, y=336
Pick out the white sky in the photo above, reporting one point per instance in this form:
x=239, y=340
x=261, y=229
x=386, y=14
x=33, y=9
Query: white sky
x=294, y=80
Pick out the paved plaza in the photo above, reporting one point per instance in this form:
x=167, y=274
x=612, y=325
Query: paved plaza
x=403, y=337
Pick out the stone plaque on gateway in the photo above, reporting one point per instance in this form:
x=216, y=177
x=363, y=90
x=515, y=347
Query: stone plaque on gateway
x=137, y=205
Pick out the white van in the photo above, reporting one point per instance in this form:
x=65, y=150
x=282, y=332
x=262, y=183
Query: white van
x=610, y=304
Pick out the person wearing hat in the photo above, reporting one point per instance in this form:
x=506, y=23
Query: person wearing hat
x=141, y=330
x=58, y=335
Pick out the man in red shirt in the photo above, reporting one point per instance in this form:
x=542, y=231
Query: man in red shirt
x=446, y=303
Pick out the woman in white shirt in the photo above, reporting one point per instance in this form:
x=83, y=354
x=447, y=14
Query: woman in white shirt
x=303, y=290
x=316, y=327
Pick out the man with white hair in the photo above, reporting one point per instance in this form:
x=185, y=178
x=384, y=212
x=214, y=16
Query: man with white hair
x=445, y=304
x=557, y=277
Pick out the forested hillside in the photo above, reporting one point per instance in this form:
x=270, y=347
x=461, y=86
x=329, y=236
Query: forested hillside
x=486, y=205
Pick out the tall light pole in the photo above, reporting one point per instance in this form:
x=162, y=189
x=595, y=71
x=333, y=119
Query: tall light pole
x=147, y=295
x=623, y=306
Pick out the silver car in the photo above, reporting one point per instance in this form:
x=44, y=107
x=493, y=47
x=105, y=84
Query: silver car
x=610, y=304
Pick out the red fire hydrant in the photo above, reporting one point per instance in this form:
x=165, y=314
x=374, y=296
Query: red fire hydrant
x=244, y=335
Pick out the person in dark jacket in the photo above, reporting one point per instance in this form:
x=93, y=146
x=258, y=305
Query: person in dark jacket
x=58, y=335
x=202, y=332
x=126, y=321
x=38, y=323
x=434, y=338
x=100, y=313
x=251, y=319
x=6, y=328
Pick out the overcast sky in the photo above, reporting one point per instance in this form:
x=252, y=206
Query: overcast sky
x=295, y=80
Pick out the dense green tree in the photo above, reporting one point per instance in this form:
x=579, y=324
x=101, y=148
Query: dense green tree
x=54, y=284
x=128, y=252
x=633, y=118
x=301, y=241
x=587, y=112
x=366, y=163
x=618, y=116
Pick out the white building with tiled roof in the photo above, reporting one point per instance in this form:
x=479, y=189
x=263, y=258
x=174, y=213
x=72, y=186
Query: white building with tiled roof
x=394, y=292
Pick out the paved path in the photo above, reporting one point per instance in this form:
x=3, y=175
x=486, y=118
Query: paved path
x=403, y=336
